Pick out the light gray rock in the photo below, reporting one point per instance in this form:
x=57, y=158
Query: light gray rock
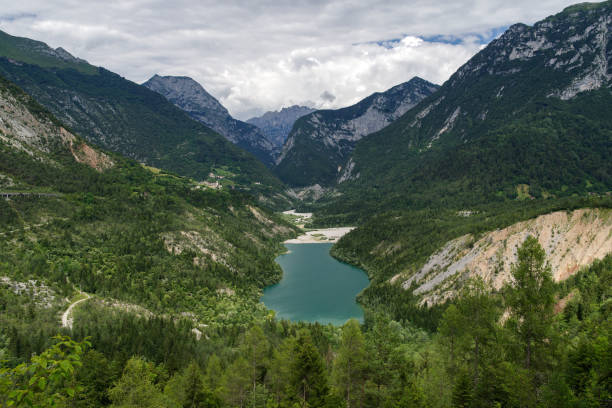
x=277, y=125
x=190, y=96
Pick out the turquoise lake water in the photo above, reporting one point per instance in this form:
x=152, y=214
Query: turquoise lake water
x=315, y=287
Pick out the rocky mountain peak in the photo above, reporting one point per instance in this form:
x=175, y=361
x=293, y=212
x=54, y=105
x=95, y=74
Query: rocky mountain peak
x=68, y=57
x=572, y=45
x=186, y=92
x=319, y=145
x=190, y=96
x=277, y=125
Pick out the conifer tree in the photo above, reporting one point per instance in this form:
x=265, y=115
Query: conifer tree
x=350, y=365
x=255, y=349
x=309, y=384
x=237, y=382
x=530, y=298
x=214, y=374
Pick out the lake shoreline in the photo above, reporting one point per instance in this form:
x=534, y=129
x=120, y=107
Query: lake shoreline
x=315, y=287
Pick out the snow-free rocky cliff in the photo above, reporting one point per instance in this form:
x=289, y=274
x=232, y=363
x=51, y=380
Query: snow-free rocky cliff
x=531, y=108
x=571, y=240
x=561, y=57
x=190, y=96
x=39, y=136
x=277, y=125
x=320, y=144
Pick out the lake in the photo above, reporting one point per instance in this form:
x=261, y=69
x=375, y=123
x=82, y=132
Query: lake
x=315, y=287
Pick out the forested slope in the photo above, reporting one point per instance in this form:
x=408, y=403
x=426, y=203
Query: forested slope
x=124, y=117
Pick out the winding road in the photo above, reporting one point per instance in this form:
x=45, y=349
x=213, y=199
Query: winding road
x=66, y=319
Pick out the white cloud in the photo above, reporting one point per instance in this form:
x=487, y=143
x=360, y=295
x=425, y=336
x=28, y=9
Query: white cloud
x=262, y=55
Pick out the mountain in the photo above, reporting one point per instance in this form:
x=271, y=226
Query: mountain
x=525, y=117
x=276, y=125
x=124, y=117
x=522, y=129
x=191, y=97
x=32, y=140
x=128, y=231
x=39, y=53
x=320, y=144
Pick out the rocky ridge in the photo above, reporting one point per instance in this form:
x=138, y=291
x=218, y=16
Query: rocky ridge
x=38, y=135
x=190, y=96
x=320, y=143
x=529, y=108
x=124, y=117
x=277, y=125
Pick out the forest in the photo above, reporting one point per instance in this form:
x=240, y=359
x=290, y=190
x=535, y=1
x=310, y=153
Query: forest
x=534, y=343
x=169, y=272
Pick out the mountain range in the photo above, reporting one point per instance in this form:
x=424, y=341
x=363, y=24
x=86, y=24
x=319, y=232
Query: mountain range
x=521, y=129
x=320, y=144
x=483, y=215
x=190, y=96
x=276, y=125
x=125, y=117
x=526, y=112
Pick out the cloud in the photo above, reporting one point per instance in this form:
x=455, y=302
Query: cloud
x=327, y=96
x=17, y=16
x=258, y=55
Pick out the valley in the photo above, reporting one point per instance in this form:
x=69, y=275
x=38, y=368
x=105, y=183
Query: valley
x=424, y=246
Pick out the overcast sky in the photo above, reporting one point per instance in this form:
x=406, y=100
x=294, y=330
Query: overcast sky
x=256, y=55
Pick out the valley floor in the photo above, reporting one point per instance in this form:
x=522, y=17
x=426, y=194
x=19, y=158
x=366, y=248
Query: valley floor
x=326, y=235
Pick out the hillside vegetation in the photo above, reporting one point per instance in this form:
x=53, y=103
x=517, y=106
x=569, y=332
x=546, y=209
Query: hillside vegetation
x=127, y=118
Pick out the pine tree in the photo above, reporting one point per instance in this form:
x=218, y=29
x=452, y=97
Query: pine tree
x=279, y=375
x=237, y=382
x=308, y=377
x=382, y=340
x=530, y=298
x=480, y=316
x=349, y=373
x=214, y=374
x=462, y=391
x=450, y=330
x=137, y=386
x=195, y=394
x=255, y=348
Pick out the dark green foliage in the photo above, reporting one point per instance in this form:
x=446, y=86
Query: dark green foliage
x=403, y=241
x=36, y=52
x=97, y=374
x=308, y=384
x=530, y=298
x=107, y=233
x=462, y=391
x=189, y=391
x=312, y=161
x=398, y=372
x=140, y=386
x=47, y=380
x=507, y=129
x=127, y=118
x=515, y=150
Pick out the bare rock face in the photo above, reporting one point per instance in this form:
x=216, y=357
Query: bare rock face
x=574, y=42
x=319, y=145
x=38, y=135
x=190, y=96
x=277, y=125
x=571, y=240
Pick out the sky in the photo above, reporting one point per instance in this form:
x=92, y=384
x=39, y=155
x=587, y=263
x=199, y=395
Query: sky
x=261, y=55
